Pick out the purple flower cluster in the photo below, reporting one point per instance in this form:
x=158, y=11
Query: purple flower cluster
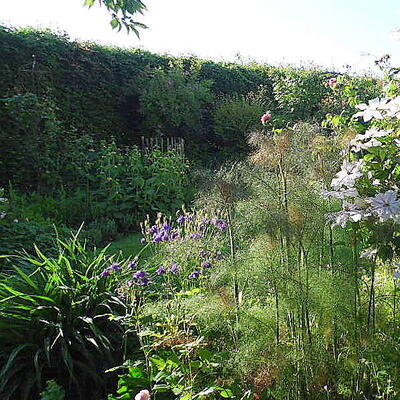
x=206, y=264
x=220, y=224
x=163, y=234
x=182, y=218
x=141, y=278
x=109, y=270
x=175, y=269
x=196, y=235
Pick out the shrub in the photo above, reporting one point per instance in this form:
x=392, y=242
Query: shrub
x=299, y=93
x=234, y=118
x=112, y=191
x=173, y=104
x=30, y=137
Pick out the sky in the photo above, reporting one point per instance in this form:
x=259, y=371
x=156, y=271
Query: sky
x=330, y=33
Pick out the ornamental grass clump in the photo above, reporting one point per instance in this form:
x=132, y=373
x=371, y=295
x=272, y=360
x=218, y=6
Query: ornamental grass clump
x=57, y=322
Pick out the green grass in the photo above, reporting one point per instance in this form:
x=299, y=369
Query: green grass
x=127, y=245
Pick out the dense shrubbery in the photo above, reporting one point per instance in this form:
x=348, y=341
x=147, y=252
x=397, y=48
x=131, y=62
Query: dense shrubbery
x=69, y=178
x=234, y=117
x=102, y=91
x=111, y=192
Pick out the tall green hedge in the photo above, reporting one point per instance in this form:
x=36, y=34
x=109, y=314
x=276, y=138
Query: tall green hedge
x=99, y=90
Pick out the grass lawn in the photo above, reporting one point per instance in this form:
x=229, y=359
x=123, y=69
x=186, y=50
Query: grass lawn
x=127, y=245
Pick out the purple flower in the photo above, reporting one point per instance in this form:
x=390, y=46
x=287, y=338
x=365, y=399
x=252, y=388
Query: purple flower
x=219, y=255
x=165, y=236
x=175, y=269
x=153, y=229
x=143, y=240
x=139, y=275
x=167, y=227
x=141, y=278
x=196, y=235
x=105, y=273
x=194, y=275
x=158, y=237
x=133, y=264
x=144, y=281
x=206, y=264
x=161, y=271
x=115, y=267
x=220, y=224
x=181, y=219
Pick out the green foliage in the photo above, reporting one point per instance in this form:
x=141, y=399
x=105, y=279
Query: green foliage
x=17, y=235
x=57, y=323
x=31, y=141
x=122, y=13
x=53, y=391
x=299, y=93
x=109, y=188
x=178, y=364
x=173, y=104
x=100, y=91
x=235, y=117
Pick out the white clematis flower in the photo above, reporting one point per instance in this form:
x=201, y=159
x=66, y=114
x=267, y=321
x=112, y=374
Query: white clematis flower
x=350, y=212
x=392, y=107
x=375, y=133
x=340, y=194
x=385, y=205
x=347, y=175
x=372, y=109
x=361, y=142
x=356, y=145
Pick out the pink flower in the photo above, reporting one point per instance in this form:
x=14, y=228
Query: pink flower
x=266, y=117
x=332, y=83
x=143, y=395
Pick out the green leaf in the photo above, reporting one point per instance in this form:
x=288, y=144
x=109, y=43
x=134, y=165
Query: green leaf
x=226, y=393
x=158, y=362
x=115, y=23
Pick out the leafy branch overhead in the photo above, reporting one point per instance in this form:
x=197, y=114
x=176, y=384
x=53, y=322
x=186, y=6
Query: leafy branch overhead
x=122, y=12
